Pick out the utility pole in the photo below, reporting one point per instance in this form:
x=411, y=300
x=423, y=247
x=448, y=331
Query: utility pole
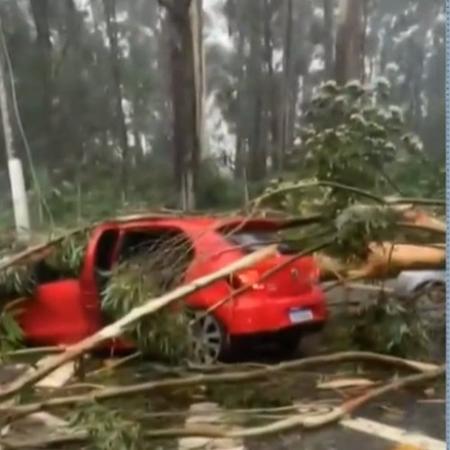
x=16, y=178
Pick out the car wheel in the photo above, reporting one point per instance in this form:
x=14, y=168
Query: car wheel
x=430, y=301
x=430, y=308
x=208, y=340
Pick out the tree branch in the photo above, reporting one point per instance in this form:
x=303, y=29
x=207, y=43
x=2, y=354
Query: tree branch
x=117, y=328
x=301, y=420
x=305, y=421
x=350, y=189
x=230, y=377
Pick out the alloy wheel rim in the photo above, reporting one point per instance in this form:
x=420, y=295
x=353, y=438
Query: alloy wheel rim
x=206, y=339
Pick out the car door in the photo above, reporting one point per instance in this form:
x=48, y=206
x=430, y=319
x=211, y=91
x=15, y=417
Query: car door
x=100, y=256
x=64, y=311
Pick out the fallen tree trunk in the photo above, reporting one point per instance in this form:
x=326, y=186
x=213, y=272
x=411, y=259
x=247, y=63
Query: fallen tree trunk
x=384, y=260
x=229, y=377
x=119, y=327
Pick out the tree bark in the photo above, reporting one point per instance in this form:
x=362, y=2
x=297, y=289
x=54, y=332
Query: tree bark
x=328, y=13
x=240, y=155
x=270, y=91
x=40, y=13
x=349, y=41
x=185, y=74
x=199, y=71
x=256, y=167
x=112, y=33
x=286, y=85
x=228, y=377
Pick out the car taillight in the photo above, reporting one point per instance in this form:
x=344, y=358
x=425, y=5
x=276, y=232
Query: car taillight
x=247, y=278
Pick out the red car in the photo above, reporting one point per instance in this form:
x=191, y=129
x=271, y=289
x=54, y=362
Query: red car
x=283, y=307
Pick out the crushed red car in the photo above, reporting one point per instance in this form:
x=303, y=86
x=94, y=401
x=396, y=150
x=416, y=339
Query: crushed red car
x=283, y=307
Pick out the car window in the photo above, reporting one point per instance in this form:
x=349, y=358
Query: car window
x=165, y=253
x=251, y=241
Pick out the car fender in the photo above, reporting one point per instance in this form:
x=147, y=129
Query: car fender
x=409, y=281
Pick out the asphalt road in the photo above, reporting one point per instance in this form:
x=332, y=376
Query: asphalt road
x=408, y=420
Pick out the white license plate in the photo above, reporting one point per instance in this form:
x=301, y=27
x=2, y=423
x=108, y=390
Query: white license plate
x=300, y=315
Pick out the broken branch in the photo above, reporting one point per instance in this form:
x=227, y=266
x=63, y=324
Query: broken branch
x=306, y=421
x=118, y=328
x=229, y=377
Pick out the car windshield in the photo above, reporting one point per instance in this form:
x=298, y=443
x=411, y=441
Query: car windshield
x=251, y=241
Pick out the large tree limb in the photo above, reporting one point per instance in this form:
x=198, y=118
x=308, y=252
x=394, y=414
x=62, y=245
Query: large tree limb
x=119, y=327
x=228, y=377
x=301, y=420
x=384, y=260
x=351, y=190
x=306, y=421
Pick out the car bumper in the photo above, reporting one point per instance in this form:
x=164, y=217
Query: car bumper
x=254, y=315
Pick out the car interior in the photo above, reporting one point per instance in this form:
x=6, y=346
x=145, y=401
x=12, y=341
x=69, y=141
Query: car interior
x=164, y=252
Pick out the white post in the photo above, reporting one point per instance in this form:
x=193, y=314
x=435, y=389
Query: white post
x=16, y=178
x=19, y=199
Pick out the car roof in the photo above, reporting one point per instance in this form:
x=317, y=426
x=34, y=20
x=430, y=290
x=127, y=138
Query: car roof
x=191, y=223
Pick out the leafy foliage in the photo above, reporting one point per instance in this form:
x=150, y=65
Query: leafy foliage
x=354, y=136
x=107, y=429
x=145, y=275
x=68, y=256
x=11, y=336
x=358, y=225
x=390, y=326
x=17, y=281
x=163, y=333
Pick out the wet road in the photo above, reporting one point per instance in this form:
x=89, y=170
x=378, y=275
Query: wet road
x=407, y=420
x=403, y=423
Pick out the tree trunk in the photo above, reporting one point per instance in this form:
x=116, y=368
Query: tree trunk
x=328, y=37
x=286, y=84
x=349, y=41
x=365, y=24
x=111, y=31
x=257, y=153
x=40, y=13
x=16, y=178
x=240, y=155
x=425, y=16
x=270, y=91
x=199, y=71
x=185, y=77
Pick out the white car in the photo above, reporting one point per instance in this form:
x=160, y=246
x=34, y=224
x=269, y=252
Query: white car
x=414, y=282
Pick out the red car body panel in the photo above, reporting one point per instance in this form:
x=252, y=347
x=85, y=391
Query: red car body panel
x=64, y=312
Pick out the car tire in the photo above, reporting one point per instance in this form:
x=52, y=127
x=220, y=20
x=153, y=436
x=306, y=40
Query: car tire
x=430, y=297
x=209, y=341
x=429, y=300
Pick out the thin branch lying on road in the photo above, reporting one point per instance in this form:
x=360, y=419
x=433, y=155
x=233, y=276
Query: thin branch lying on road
x=303, y=420
x=118, y=328
x=230, y=377
x=114, y=365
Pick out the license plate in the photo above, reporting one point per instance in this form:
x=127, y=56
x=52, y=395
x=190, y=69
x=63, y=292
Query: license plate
x=300, y=315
